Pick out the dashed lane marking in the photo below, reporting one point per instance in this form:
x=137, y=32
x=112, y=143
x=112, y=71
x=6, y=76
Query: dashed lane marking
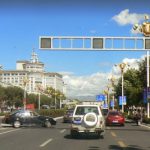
x=46, y=142
x=113, y=134
x=62, y=131
x=3, y=128
x=9, y=131
x=121, y=144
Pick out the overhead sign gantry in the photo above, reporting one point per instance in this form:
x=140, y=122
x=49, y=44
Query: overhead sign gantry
x=94, y=43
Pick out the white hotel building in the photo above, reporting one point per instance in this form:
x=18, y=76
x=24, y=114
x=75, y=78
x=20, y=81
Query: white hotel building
x=31, y=73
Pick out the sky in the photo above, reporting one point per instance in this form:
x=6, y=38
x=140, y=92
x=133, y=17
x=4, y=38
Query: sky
x=85, y=73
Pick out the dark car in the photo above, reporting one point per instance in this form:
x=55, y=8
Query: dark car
x=105, y=111
x=115, y=118
x=30, y=118
x=68, y=116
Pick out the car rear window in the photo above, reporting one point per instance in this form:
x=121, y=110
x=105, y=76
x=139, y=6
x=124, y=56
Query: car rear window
x=86, y=109
x=114, y=113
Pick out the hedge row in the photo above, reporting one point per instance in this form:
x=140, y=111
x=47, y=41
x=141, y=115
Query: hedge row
x=52, y=112
x=144, y=119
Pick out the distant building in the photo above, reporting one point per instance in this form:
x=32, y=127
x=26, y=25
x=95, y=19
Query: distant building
x=31, y=74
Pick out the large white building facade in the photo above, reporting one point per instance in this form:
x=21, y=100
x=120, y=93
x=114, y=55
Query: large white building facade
x=31, y=75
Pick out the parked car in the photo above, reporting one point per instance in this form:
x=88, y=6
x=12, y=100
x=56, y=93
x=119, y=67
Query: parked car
x=115, y=118
x=87, y=119
x=27, y=117
x=45, y=107
x=68, y=116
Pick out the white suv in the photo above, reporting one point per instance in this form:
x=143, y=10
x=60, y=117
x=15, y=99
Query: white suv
x=87, y=119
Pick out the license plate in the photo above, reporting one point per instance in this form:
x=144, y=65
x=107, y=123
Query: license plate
x=115, y=121
x=86, y=130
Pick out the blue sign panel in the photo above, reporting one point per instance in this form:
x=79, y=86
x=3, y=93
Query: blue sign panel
x=122, y=99
x=100, y=97
x=112, y=103
x=105, y=106
x=145, y=96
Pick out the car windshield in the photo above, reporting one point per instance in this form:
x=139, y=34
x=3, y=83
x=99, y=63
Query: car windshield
x=86, y=109
x=14, y=112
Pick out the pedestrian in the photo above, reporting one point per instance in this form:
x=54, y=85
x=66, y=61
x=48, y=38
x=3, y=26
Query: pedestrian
x=137, y=117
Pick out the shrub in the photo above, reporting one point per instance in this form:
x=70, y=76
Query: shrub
x=52, y=112
x=146, y=120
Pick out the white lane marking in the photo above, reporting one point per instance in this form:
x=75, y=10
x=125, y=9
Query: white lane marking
x=45, y=143
x=121, y=144
x=3, y=128
x=62, y=131
x=9, y=131
x=113, y=134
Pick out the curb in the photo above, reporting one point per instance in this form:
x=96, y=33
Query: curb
x=145, y=125
x=57, y=118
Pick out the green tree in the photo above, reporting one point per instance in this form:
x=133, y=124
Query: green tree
x=134, y=84
x=2, y=96
x=14, y=96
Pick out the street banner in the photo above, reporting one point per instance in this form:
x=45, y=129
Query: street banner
x=148, y=94
x=105, y=106
x=112, y=103
x=145, y=96
x=122, y=99
x=100, y=97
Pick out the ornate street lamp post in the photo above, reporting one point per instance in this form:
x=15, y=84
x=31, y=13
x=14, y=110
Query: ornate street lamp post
x=39, y=95
x=145, y=30
x=107, y=95
x=60, y=100
x=25, y=81
x=112, y=80
x=55, y=100
x=122, y=67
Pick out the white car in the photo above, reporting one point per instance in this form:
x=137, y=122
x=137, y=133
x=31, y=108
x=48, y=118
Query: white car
x=87, y=119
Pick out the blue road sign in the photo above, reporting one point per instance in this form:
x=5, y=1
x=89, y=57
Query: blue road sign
x=100, y=97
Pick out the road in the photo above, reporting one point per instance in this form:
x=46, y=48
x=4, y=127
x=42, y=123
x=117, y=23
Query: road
x=130, y=137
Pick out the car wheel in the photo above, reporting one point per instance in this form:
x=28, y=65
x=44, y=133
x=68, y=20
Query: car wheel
x=90, y=119
x=74, y=134
x=16, y=124
x=123, y=125
x=47, y=124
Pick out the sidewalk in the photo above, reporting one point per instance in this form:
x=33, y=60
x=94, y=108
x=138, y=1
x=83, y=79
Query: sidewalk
x=1, y=117
x=145, y=125
x=141, y=124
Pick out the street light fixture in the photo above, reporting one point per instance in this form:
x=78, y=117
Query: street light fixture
x=25, y=81
x=107, y=94
x=122, y=67
x=39, y=94
x=55, y=99
x=145, y=30
x=60, y=100
x=112, y=80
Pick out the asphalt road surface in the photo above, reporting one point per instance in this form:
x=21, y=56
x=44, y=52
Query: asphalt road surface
x=130, y=137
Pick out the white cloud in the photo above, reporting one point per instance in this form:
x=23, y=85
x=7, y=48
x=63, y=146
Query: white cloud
x=95, y=83
x=125, y=18
x=85, y=85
